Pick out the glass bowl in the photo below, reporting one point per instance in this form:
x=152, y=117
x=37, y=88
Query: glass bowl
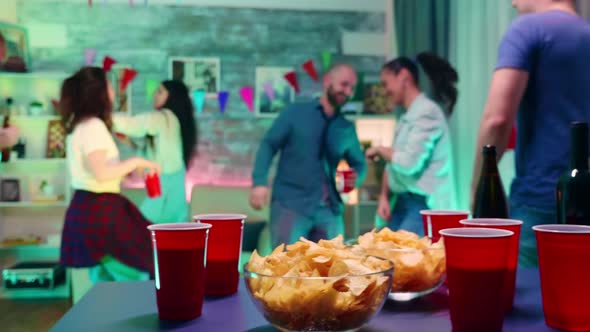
x=342, y=303
x=417, y=271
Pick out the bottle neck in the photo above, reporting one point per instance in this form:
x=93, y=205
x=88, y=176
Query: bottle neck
x=579, y=152
x=490, y=165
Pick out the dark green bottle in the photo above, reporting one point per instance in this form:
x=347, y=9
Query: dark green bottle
x=490, y=197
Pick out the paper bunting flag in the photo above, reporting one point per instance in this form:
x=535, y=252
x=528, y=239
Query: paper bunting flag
x=151, y=85
x=247, y=94
x=89, y=55
x=89, y=3
x=222, y=97
x=326, y=60
x=107, y=63
x=145, y=2
x=199, y=100
x=309, y=68
x=131, y=3
x=128, y=76
x=291, y=77
x=269, y=90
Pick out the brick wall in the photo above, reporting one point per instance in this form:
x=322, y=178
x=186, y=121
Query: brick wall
x=242, y=38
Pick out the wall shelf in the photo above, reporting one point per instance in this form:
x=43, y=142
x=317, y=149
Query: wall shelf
x=35, y=75
x=33, y=204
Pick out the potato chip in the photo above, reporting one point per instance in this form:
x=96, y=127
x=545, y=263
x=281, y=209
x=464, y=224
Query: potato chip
x=318, y=286
x=419, y=264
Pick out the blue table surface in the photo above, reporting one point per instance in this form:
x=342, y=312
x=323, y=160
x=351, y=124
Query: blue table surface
x=131, y=306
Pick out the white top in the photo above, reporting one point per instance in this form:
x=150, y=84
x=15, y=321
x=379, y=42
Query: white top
x=422, y=162
x=89, y=136
x=165, y=128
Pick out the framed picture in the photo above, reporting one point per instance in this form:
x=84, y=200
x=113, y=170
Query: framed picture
x=9, y=190
x=14, y=48
x=122, y=98
x=56, y=135
x=197, y=73
x=375, y=99
x=270, y=82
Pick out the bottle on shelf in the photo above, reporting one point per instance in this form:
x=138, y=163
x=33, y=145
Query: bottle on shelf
x=6, y=124
x=573, y=187
x=490, y=197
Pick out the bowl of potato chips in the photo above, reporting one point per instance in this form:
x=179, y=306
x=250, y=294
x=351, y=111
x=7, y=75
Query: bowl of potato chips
x=419, y=264
x=324, y=286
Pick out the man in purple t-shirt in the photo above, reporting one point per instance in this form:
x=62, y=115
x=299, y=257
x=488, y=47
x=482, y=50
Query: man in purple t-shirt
x=541, y=81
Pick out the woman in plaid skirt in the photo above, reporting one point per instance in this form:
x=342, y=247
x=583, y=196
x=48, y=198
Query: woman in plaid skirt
x=102, y=228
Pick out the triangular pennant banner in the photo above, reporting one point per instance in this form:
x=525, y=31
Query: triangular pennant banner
x=89, y=55
x=89, y=3
x=107, y=63
x=291, y=77
x=151, y=86
x=247, y=94
x=199, y=100
x=128, y=76
x=222, y=97
x=269, y=90
x=309, y=68
x=326, y=60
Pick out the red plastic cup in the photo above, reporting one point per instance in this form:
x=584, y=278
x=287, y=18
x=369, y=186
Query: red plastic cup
x=179, y=261
x=477, y=264
x=436, y=220
x=564, y=253
x=152, y=185
x=509, y=225
x=223, y=253
x=346, y=180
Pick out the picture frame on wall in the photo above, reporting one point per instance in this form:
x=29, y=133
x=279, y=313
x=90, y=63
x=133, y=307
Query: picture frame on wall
x=375, y=100
x=9, y=190
x=123, y=99
x=272, y=78
x=198, y=73
x=14, y=48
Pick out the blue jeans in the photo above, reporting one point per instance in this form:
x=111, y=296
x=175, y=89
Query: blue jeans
x=527, y=256
x=287, y=226
x=406, y=213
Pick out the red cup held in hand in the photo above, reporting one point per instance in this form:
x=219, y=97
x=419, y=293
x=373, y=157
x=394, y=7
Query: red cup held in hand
x=345, y=180
x=223, y=252
x=152, y=185
x=179, y=261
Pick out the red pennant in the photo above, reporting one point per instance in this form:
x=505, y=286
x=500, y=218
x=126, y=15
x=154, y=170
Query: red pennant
x=512, y=139
x=89, y=3
x=107, y=63
x=310, y=70
x=291, y=77
x=126, y=78
x=55, y=104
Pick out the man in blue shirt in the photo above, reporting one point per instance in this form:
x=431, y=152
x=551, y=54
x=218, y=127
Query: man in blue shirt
x=541, y=81
x=312, y=139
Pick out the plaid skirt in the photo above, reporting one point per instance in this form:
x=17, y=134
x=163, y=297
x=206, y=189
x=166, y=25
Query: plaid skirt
x=100, y=224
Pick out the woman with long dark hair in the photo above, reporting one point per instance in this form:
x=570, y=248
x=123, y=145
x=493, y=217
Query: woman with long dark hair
x=171, y=137
x=102, y=228
x=418, y=172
